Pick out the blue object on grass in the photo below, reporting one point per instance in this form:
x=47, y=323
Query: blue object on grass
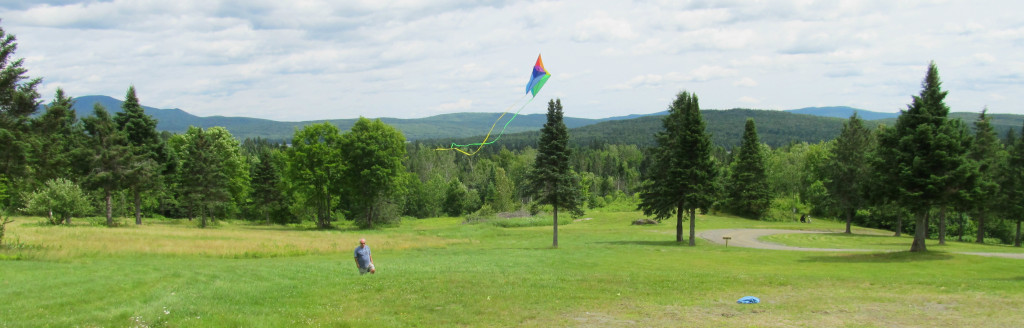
x=749, y=300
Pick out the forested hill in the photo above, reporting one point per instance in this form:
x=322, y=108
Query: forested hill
x=446, y=125
x=775, y=128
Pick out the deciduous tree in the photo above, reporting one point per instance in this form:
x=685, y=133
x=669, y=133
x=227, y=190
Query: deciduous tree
x=373, y=153
x=315, y=165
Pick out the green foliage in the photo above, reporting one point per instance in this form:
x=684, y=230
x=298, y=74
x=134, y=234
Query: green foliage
x=551, y=181
x=849, y=170
x=923, y=157
x=683, y=172
x=58, y=141
x=748, y=186
x=18, y=100
x=213, y=177
x=268, y=201
x=372, y=154
x=147, y=150
x=110, y=156
x=62, y=198
x=315, y=168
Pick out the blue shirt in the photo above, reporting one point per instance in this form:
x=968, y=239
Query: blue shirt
x=363, y=255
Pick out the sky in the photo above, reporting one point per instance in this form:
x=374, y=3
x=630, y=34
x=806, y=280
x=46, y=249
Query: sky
x=313, y=60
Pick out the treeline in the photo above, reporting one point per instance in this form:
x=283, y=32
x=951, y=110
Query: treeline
x=778, y=129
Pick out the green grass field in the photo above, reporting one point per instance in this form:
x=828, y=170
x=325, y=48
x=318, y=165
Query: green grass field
x=441, y=272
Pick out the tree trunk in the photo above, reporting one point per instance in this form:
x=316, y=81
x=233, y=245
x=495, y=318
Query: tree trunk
x=138, y=208
x=679, y=222
x=981, y=229
x=849, y=218
x=202, y=218
x=693, y=226
x=942, y=226
x=899, y=225
x=920, y=232
x=554, y=243
x=1016, y=241
x=110, y=209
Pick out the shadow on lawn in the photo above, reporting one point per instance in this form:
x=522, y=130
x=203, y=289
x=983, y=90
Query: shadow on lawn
x=646, y=242
x=885, y=257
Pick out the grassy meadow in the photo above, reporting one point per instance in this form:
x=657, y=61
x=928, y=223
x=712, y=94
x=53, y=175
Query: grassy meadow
x=442, y=272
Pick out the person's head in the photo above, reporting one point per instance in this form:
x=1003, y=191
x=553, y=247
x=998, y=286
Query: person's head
x=362, y=242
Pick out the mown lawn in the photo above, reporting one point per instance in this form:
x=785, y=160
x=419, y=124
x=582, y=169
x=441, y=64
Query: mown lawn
x=440, y=272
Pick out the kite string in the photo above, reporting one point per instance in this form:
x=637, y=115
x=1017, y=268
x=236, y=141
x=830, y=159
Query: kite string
x=480, y=145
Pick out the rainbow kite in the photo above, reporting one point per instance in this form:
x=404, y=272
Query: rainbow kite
x=540, y=76
x=537, y=79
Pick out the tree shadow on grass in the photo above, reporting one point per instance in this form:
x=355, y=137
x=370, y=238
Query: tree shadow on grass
x=883, y=257
x=645, y=242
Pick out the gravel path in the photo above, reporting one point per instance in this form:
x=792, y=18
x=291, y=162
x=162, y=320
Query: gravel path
x=750, y=238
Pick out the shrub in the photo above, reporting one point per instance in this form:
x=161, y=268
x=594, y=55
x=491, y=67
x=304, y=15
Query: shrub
x=59, y=197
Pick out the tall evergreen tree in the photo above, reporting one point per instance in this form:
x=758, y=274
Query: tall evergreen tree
x=110, y=153
x=267, y=196
x=551, y=182
x=748, y=186
x=1012, y=182
x=681, y=179
x=923, y=155
x=985, y=153
x=849, y=169
x=144, y=168
x=18, y=101
x=59, y=137
x=213, y=173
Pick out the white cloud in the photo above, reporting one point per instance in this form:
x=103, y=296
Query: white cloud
x=601, y=27
x=326, y=59
x=745, y=82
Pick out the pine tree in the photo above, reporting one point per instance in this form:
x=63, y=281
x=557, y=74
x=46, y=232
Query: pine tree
x=681, y=179
x=849, y=169
x=748, y=188
x=18, y=101
x=985, y=154
x=551, y=181
x=58, y=140
x=110, y=153
x=923, y=155
x=1012, y=181
x=146, y=147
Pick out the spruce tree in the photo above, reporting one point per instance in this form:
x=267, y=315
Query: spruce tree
x=146, y=147
x=551, y=181
x=18, y=101
x=1012, y=181
x=849, y=170
x=58, y=139
x=682, y=174
x=923, y=156
x=108, y=163
x=748, y=188
x=985, y=154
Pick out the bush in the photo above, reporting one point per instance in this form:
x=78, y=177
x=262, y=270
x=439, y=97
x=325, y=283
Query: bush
x=58, y=197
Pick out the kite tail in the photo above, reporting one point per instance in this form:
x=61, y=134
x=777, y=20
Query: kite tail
x=480, y=145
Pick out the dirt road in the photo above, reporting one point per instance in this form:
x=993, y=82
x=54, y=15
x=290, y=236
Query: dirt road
x=750, y=238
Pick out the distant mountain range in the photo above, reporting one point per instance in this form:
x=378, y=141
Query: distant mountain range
x=464, y=125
